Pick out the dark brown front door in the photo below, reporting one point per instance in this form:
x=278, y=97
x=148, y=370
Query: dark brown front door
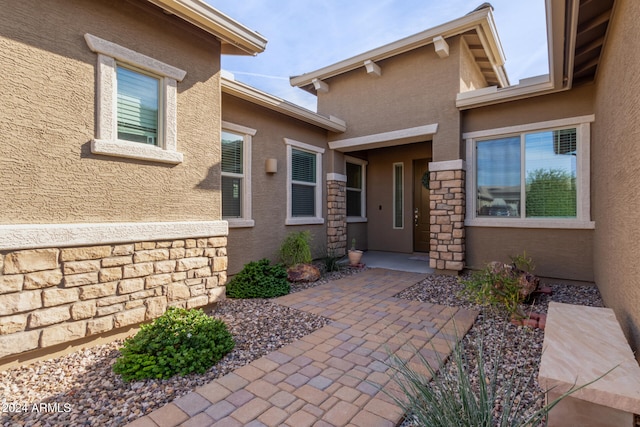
x=421, y=215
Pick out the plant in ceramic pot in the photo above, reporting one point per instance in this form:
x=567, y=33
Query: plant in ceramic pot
x=354, y=255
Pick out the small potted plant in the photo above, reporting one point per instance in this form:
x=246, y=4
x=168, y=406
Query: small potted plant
x=354, y=255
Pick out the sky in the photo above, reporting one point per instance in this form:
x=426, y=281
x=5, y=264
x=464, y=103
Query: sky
x=305, y=35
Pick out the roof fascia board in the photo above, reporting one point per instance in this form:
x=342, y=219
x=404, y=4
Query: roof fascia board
x=561, y=45
x=255, y=96
x=211, y=20
x=384, y=139
x=472, y=21
x=533, y=86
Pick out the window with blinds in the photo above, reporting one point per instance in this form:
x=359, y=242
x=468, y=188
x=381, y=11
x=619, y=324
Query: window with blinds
x=532, y=175
x=303, y=183
x=550, y=165
x=232, y=174
x=137, y=106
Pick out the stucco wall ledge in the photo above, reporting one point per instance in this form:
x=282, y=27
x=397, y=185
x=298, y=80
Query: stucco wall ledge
x=447, y=165
x=30, y=236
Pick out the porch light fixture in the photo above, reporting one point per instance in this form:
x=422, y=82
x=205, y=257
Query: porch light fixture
x=271, y=166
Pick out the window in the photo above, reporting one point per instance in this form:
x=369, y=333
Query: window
x=398, y=195
x=356, y=189
x=236, y=174
x=530, y=176
x=136, y=101
x=138, y=106
x=304, y=179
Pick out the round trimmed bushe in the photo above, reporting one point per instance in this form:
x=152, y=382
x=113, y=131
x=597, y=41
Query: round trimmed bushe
x=178, y=342
x=259, y=279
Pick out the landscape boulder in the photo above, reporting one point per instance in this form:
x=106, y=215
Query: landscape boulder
x=303, y=273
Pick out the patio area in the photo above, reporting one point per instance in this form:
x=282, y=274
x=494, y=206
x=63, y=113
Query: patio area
x=415, y=263
x=335, y=375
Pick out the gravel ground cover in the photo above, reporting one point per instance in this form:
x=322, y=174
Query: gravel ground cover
x=84, y=379
x=82, y=390
x=521, y=346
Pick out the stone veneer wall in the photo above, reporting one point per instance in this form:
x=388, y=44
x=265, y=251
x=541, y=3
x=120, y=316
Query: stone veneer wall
x=337, y=217
x=58, y=295
x=447, y=246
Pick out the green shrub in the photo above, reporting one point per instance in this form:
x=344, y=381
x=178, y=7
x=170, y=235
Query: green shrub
x=295, y=248
x=259, y=279
x=452, y=397
x=331, y=263
x=178, y=342
x=501, y=285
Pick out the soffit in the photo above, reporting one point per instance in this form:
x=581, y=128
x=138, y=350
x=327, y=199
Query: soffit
x=479, y=25
x=236, y=39
x=593, y=20
x=576, y=31
x=481, y=58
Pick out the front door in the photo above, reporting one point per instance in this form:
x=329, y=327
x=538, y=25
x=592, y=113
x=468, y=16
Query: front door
x=421, y=215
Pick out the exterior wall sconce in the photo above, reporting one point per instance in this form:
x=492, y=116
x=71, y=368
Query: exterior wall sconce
x=271, y=165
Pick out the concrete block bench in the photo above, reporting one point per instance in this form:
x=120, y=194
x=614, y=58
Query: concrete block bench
x=580, y=344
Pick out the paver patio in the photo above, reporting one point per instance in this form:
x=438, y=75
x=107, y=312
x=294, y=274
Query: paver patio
x=335, y=375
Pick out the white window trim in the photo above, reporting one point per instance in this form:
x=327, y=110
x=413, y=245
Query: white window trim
x=393, y=218
x=583, y=214
x=247, y=215
x=363, y=198
x=106, y=141
x=317, y=219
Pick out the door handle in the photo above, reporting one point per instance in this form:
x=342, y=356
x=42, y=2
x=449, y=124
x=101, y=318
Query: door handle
x=416, y=216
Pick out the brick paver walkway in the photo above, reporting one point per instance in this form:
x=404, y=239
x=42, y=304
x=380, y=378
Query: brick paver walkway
x=334, y=376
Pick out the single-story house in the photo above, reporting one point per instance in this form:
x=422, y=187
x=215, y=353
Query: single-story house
x=442, y=154
x=420, y=145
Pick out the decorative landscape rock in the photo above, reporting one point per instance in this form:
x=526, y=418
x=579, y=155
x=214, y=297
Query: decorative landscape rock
x=527, y=282
x=303, y=273
x=259, y=327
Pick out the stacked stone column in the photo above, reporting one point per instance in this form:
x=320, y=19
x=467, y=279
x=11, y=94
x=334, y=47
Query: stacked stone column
x=447, y=203
x=337, y=215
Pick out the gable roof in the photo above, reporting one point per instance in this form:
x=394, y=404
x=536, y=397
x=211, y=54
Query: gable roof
x=243, y=91
x=478, y=26
x=236, y=38
x=576, y=34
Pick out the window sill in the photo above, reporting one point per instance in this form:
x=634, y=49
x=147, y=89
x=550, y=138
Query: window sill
x=531, y=223
x=304, y=221
x=240, y=223
x=135, y=150
x=352, y=219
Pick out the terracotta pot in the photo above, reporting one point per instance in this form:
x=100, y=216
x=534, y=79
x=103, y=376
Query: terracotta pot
x=354, y=257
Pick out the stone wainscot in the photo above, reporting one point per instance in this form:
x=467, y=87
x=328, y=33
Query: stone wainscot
x=55, y=295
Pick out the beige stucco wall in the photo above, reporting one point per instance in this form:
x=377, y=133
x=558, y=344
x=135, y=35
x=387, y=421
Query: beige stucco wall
x=381, y=234
x=416, y=88
x=47, y=119
x=269, y=192
x=557, y=253
x=616, y=160
x=577, y=102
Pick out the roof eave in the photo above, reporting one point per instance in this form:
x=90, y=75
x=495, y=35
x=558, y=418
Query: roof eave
x=561, y=41
x=235, y=37
x=258, y=97
x=481, y=21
